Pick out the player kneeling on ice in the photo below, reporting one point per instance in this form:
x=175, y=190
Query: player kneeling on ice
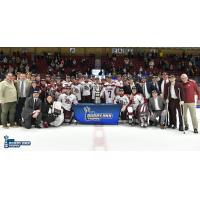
x=157, y=108
x=138, y=110
x=67, y=99
x=52, y=113
x=122, y=99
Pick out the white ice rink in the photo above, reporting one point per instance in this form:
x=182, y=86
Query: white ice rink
x=89, y=137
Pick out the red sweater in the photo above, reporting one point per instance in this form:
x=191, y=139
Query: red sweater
x=190, y=89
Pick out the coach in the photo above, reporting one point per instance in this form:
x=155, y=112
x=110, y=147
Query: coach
x=23, y=90
x=8, y=100
x=190, y=89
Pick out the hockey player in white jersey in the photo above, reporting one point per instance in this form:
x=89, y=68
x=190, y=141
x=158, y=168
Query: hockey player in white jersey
x=96, y=90
x=108, y=93
x=86, y=88
x=77, y=89
x=67, y=82
x=67, y=99
x=138, y=109
x=122, y=99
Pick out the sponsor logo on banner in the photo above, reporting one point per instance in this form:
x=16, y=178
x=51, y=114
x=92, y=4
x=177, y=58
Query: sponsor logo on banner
x=92, y=115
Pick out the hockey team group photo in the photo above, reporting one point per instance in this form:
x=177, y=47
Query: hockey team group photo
x=137, y=87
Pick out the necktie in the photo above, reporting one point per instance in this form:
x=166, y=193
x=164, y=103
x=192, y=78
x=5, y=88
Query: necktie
x=35, y=100
x=22, y=88
x=144, y=90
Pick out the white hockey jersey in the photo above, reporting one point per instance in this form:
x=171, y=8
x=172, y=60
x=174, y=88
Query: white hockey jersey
x=119, y=83
x=76, y=89
x=108, y=93
x=57, y=106
x=66, y=83
x=123, y=100
x=86, y=88
x=136, y=100
x=67, y=101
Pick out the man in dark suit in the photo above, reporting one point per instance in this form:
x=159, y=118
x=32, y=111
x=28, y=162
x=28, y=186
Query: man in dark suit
x=129, y=84
x=145, y=88
x=174, y=95
x=155, y=85
x=157, y=108
x=23, y=89
x=31, y=113
x=162, y=83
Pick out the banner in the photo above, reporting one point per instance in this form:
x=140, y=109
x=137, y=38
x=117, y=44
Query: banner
x=97, y=113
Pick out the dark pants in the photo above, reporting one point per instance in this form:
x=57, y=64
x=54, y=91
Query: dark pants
x=32, y=121
x=68, y=115
x=124, y=115
x=173, y=107
x=20, y=105
x=86, y=99
x=8, y=111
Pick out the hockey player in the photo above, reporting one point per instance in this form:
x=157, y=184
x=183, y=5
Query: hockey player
x=67, y=82
x=108, y=93
x=137, y=111
x=76, y=89
x=96, y=90
x=86, y=87
x=122, y=99
x=67, y=99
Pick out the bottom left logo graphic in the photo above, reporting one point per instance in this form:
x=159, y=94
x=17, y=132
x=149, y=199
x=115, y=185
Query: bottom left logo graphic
x=11, y=143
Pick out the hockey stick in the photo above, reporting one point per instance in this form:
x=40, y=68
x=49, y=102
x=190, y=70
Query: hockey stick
x=181, y=112
x=166, y=119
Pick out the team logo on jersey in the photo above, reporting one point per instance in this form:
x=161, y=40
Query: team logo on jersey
x=86, y=87
x=92, y=115
x=11, y=143
x=76, y=90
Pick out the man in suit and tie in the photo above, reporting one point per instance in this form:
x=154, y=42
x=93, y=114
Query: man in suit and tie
x=162, y=83
x=155, y=84
x=23, y=89
x=128, y=87
x=31, y=113
x=145, y=88
x=157, y=108
x=174, y=95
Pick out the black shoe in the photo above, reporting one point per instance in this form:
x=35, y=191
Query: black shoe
x=181, y=128
x=37, y=126
x=162, y=126
x=195, y=130
x=173, y=127
x=186, y=128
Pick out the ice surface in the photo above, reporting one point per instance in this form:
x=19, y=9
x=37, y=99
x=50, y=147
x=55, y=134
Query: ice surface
x=89, y=137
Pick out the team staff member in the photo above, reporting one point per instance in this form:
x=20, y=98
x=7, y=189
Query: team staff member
x=174, y=94
x=31, y=113
x=23, y=90
x=190, y=89
x=8, y=100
